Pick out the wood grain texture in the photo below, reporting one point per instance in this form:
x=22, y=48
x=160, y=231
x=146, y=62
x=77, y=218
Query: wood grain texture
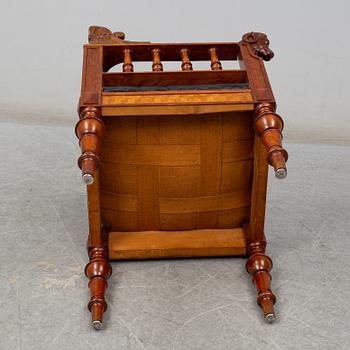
x=91, y=83
x=174, y=244
x=171, y=173
x=174, y=78
x=113, y=54
x=253, y=48
x=179, y=172
x=175, y=98
x=181, y=110
x=259, y=188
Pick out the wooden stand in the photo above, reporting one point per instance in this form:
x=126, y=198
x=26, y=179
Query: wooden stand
x=176, y=163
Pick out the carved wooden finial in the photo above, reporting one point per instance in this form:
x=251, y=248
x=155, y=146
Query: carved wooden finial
x=259, y=44
x=102, y=35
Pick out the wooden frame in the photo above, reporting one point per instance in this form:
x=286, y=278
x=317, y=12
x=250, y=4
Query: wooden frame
x=227, y=106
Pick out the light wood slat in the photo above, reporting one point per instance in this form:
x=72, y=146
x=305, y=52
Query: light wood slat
x=163, y=99
x=237, y=126
x=120, y=130
x=178, y=222
x=180, y=131
x=204, y=204
x=211, y=166
x=259, y=187
x=118, y=178
x=233, y=217
x=182, y=165
x=148, y=177
x=118, y=220
x=172, y=155
x=147, y=197
x=145, y=111
x=117, y=201
x=241, y=171
x=180, y=181
x=174, y=244
x=239, y=150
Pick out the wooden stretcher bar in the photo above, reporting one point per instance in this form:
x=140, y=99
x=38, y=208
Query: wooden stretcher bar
x=176, y=244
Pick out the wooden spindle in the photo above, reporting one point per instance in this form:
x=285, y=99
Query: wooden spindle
x=259, y=266
x=215, y=63
x=186, y=63
x=98, y=271
x=89, y=130
x=269, y=126
x=157, y=65
x=127, y=65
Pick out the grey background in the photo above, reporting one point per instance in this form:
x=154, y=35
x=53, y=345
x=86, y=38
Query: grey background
x=190, y=304
x=172, y=304
x=41, y=52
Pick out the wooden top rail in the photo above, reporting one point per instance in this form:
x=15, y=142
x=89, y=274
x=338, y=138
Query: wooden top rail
x=144, y=79
x=127, y=53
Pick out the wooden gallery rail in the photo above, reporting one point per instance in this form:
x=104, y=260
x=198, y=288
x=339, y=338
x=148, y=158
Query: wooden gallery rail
x=176, y=162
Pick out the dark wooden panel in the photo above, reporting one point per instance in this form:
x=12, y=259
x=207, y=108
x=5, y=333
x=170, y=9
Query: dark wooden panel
x=174, y=78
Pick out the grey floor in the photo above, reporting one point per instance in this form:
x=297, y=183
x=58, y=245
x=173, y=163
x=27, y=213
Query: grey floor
x=178, y=304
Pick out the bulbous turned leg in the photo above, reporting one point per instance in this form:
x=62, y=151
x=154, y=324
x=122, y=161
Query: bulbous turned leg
x=89, y=130
x=269, y=126
x=98, y=270
x=259, y=266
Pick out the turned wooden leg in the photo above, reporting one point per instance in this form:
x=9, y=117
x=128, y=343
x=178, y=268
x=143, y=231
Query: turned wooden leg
x=259, y=266
x=89, y=130
x=98, y=270
x=269, y=126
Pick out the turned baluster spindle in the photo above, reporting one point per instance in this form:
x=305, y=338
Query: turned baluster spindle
x=127, y=65
x=89, y=130
x=259, y=265
x=98, y=271
x=157, y=64
x=186, y=63
x=269, y=126
x=214, y=59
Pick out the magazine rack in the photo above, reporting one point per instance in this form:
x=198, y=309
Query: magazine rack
x=176, y=162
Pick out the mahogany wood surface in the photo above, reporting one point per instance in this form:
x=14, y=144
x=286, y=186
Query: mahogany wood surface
x=164, y=78
x=168, y=164
x=175, y=244
x=181, y=172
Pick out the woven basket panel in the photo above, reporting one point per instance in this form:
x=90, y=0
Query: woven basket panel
x=177, y=173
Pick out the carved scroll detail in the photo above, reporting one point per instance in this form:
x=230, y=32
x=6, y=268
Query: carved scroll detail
x=259, y=44
x=102, y=35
